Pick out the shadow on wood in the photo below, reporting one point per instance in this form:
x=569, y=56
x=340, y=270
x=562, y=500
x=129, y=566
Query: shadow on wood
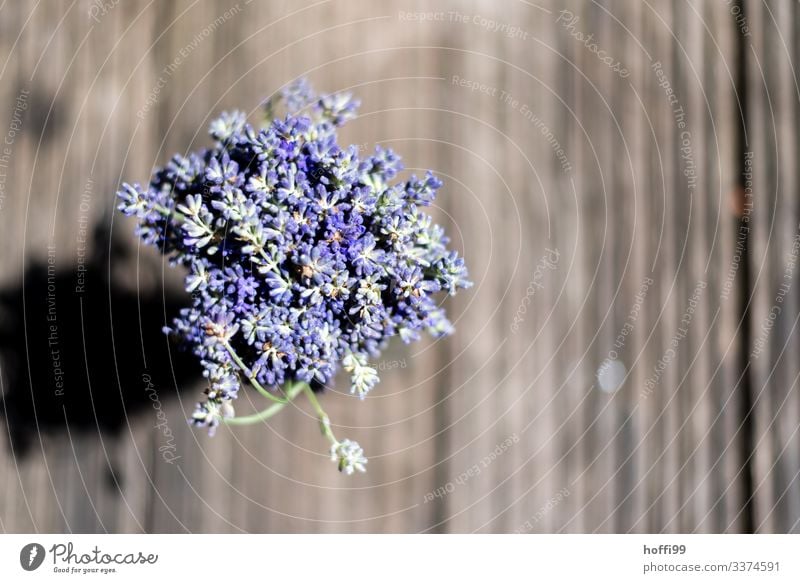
x=77, y=350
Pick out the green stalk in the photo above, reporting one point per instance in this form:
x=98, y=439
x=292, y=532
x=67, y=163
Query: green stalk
x=324, y=421
x=291, y=391
x=167, y=212
x=250, y=376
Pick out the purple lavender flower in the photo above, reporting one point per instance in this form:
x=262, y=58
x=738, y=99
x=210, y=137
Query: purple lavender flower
x=301, y=256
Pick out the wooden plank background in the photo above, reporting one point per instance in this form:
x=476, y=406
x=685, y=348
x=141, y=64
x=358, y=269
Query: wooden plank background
x=680, y=171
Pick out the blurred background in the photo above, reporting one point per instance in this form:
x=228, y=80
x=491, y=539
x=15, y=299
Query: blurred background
x=621, y=178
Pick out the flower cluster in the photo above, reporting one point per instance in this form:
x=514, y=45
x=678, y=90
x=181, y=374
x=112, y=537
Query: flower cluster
x=301, y=255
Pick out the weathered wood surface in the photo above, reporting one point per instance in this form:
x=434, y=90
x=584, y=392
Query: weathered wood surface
x=605, y=179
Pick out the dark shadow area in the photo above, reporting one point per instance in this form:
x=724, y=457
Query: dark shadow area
x=76, y=356
x=745, y=283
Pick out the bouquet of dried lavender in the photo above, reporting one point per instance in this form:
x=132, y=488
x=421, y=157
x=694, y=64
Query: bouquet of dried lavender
x=301, y=257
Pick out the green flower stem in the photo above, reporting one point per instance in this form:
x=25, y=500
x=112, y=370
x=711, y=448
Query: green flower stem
x=292, y=390
x=269, y=114
x=250, y=376
x=324, y=420
x=167, y=212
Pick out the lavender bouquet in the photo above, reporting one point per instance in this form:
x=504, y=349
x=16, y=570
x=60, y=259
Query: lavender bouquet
x=301, y=256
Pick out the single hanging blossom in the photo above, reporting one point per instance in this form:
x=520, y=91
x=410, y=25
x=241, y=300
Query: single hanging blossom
x=348, y=456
